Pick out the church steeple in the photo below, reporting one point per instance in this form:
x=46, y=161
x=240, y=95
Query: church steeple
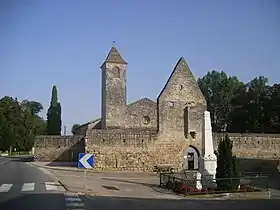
x=113, y=94
x=114, y=56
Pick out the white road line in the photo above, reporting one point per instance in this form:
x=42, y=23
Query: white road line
x=69, y=194
x=51, y=185
x=4, y=162
x=5, y=187
x=75, y=205
x=46, y=171
x=28, y=187
x=75, y=209
x=71, y=199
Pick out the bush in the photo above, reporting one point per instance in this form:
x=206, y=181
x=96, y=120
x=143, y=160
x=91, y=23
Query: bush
x=227, y=176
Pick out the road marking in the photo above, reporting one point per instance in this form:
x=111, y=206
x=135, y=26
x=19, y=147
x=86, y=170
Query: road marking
x=75, y=209
x=28, y=187
x=51, y=185
x=5, y=187
x=75, y=204
x=70, y=194
x=46, y=171
x=4, y=162
x=71, y=199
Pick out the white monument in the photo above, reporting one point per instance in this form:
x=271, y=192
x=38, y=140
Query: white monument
x=208, y=160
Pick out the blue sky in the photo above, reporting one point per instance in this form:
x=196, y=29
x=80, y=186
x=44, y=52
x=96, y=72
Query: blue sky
x=64, y=43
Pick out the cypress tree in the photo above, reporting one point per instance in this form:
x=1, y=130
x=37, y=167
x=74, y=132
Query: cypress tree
x=226, y=166
x=54, y=115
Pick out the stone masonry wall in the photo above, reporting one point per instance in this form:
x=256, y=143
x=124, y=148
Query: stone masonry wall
x=141, y=114
x=259, y=146
x=113, y=95
x=58, y=148
x=131, y=149
x=143, y=149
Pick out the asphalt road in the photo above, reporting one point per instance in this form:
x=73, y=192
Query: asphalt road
x=25, y=187
x=110, y=203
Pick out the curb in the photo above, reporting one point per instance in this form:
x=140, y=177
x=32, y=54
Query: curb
x=56, y=168
x=66, y=187
x=79, y=190
x=81, y=169
x=52, y=176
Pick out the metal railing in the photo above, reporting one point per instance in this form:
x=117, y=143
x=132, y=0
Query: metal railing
x=186, y=184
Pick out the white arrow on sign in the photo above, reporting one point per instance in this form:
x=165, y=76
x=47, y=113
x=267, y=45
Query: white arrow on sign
x=84, y=159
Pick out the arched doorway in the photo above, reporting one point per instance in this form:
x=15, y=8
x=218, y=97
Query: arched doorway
x=191, y=159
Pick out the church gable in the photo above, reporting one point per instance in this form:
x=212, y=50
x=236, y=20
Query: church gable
x=182, y=86
x=141, y=102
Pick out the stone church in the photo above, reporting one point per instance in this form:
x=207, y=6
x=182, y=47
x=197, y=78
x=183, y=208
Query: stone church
x=146, y=133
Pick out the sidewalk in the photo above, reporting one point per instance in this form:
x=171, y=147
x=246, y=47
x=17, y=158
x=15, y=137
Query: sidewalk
x=117, y=184
x=123, y=184
x=66, y=166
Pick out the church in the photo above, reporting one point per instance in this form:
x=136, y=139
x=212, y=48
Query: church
x=146, y=133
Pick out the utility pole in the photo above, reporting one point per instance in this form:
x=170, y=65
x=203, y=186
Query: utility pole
x=64, y=130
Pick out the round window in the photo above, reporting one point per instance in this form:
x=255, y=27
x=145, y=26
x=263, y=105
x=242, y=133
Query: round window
x=146, y=120
x=171, y=104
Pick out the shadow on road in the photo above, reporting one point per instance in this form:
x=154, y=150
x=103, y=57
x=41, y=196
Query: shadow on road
x=63, y=164
x=25, y=158
x=32, y=201
x=57, y=202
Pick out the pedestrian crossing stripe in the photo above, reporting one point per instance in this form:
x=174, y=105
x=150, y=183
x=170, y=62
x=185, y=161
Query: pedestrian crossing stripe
x=73, y=202
x=5, y=187
x=28, y=187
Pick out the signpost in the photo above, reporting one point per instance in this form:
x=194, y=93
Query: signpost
x=86, y=161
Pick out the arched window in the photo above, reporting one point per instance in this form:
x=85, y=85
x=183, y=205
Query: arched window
x=116, y=72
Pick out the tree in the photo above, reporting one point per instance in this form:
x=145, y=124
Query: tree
x=19, y=123
x=250, y=106
x=218, y=90
x=226, y=166
x=241, y=108
x=74, y=128
x=273, y=109
x=54, y=115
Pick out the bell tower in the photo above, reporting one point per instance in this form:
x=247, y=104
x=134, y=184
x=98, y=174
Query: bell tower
x=113, y=108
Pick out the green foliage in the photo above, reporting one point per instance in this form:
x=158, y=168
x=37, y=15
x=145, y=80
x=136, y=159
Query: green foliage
x=226, y=166
x=54, y=99
x=74, y=128
x=241, y=108
x=19, y=123
x=54, y=115
x=219, y=90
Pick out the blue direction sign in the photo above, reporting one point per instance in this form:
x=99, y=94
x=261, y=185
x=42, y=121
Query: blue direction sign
x=85, y=160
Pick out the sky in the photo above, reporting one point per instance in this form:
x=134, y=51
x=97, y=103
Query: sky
x=64, y=43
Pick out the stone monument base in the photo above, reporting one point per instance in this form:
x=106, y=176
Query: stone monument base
x=208, y=166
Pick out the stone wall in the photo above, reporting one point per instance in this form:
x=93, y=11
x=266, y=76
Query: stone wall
x=175, y=102
x=58, y=148
x=141, y=114
x=258, y=146
x=132, y=149
x=142, y=150
x=113, y=95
